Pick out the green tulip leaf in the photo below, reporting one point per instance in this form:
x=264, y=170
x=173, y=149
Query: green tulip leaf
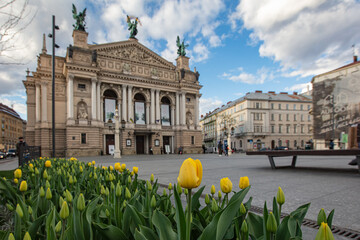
x=265, y=217
x=77, y=228
x=110, y=231
x=195, y=204
x=292, y=225
x=255, y=224
x=139, y=236
x=276, y=211
x=148, y=233
x=163, y=226
x=283, y=230
x=330, y=218
x=50, y=225
x=87, y=218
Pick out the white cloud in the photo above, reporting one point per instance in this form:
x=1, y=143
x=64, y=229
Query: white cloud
x=199, y=53
x=302, y=87
x=306, y=37
x=209, y=104
x=263, y=74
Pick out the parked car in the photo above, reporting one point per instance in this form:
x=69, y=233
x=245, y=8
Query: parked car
x=11, y=153
x=283, y=148
x=2, y=155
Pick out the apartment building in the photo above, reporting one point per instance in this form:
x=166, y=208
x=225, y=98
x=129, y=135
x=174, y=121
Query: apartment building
x=261, y=120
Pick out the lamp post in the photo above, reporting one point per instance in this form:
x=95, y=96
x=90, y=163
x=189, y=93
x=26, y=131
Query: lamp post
x=54, y=45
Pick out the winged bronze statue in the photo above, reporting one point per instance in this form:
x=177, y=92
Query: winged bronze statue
x=80, y=19
x=181, y=47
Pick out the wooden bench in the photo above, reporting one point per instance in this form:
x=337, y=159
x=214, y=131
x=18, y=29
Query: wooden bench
x=294, y=153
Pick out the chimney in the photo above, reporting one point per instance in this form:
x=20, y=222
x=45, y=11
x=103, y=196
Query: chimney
x=258, y=91
x=295, y=93
x=43, y=50
x=355, y=58
x=272, y=92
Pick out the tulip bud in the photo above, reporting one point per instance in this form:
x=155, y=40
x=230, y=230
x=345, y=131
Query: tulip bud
x=107, y=192
x=219, y=195
x=89, y=164
x=58, y=227
x=30, y=210
x=244, y=182
x=31, y=169
x=271, y=224
x=148, y=185
x=127, y=193
x=80, y=202
x=280, y=197
x=102, y=190
x=11, y=237
x=19, y=211
x=123, y=167
x=64, y=212
x=81, y=169
x=95, y=176
x=112, y=186
x=16, y=181
x=71, y=180
x=27, y=236
x=179, y=189
x=244, y=227
x=47, y=164
x=93, y=162
x=152, y=178
x=69, y=197
x=212, y=190
x=242, y=209
x=214, y=206
x=23, y=186
x=225, y=185
x=107, y=177
x=107, y=213
x=153, y=202
x=61, y=200
x=111, y=168
x=47, y=184
x=170, y=187
x=90, y=175
x=37, y=171
x=17, y=173
x=321, y=217
x=324, y=233
x=118, y=190
x=186, y=191
x=45, y=175
x=42, y=192
x=164, y=192
x=135, y=170
x=129, y=180
x=75, y=180
x=132, y=173
x=48, y=194
x=207, y=199
x=11, y=208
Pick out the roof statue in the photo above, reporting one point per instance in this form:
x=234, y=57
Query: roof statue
x=133, y=25
x=80, y=19
x=181, y=47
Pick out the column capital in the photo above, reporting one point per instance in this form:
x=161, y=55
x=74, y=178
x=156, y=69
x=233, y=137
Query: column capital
x=37, y=84
x=93, y=80
x=71, y=76
x=152, y=90
x=43, y=83
x=147, y=104
x=99, y=82
x=124, y=85
x=130, y=87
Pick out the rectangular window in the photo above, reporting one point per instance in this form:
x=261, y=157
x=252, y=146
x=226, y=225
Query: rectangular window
x=192, y=139
x=279, y=105
x=188, y=99
x=81, y=86
x=109, y=109
x=287, y=117
x=301, y=107
x=302, y=117
x=309, y=118
x=165, y=115
x=294, y=117
x=302, y=128
x=140, y=112
x=272, y=129
x=280, y=119
x=308, y=107
x=257, y=105
x=287, y=128
x=272, y=106
x=83, y=138
x=294, y=106
x=287, y=106
x=272, y=117
x=280, y=126
x=295, y=128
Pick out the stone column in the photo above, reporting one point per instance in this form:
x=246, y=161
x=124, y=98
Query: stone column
x=98, y=113
x=172, y=109
x=130, y=104
x=70, y=96
x=93, y=98
x=37, y=102
x=147, y=113
x=157, y=103
x=183, y=109
x=44, y=101
x=117, y=137
x=124, y=115
x=177, y=106
x=196, y=120
x=102, y=109
x=152, y=102
x=119, y=107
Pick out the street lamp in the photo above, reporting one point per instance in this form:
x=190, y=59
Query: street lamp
x=54, y=45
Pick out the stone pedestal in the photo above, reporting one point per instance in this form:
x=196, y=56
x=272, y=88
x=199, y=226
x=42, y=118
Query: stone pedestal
x=182, y=62
x=80, y=39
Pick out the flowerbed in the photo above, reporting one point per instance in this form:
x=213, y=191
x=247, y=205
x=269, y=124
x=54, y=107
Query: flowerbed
x=68, y=199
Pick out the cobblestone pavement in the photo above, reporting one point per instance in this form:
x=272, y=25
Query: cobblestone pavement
x=326, y=182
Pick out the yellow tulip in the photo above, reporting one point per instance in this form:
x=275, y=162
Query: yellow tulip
x=135, y=170
x=324, y=233
x=117, y=166
x=48, y=164
x=280, y=197
x=225, y=185
x=152, y=178
x=16, y=181
x=123, y=167
x=93, y=162
x=23, y=186
x=17, y=173
x=170, y=187
x=89, y=164
x=244, y=182
x=111, y=168
x=190, y=174
x=31, y=165
x=81, y=169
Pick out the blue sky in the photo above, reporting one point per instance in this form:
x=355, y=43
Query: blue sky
x=237, y=46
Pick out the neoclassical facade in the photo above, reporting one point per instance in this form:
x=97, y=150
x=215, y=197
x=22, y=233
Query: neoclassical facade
x=157, y=102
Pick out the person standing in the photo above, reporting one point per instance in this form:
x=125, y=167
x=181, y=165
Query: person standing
x=331, y=145
x=21, y=146
x=220, y=146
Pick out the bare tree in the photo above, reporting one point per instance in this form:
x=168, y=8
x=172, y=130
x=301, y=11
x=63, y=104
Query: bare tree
x=14, y=18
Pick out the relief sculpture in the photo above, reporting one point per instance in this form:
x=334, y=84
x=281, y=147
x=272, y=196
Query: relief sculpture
x=82, y=110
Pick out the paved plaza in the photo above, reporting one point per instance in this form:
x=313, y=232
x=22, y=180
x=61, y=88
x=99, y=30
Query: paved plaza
x=326, y=182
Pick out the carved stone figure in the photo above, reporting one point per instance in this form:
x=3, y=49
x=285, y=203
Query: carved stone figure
x=181, y=47
x=132, y=26
x=82, y=111
x=80, y=19
x=189, y=120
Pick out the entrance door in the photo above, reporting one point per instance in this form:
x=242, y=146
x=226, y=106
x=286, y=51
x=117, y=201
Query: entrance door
x=140, y=144
x=110, y=140
x=166, y=141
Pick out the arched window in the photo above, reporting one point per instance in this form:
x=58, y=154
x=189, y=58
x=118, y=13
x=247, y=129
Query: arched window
x=140, y=116
x=165, y=111
x=110, y=103
x=295, y=143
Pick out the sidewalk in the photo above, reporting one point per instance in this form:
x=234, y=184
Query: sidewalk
x=332, y=187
